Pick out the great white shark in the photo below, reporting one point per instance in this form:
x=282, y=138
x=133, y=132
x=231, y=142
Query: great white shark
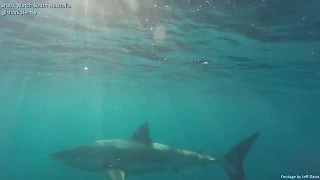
x=140, y=155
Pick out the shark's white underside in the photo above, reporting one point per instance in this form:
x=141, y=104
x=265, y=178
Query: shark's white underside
x=95, y=165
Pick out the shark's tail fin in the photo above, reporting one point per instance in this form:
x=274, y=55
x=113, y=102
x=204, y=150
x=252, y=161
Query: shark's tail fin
x=234, y=158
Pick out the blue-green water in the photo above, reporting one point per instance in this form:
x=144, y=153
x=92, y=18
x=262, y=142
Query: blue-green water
x=205, y=74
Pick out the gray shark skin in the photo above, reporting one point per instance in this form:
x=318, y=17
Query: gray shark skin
x=140, y=155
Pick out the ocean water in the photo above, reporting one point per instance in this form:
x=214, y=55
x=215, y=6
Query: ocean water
x=204, y=74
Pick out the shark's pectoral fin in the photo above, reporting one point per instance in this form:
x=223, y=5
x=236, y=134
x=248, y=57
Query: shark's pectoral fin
x=116, y=174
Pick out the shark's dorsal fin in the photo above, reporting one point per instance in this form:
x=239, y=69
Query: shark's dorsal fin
x=141, y=135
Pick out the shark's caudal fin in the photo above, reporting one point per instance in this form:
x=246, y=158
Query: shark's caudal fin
x=235, y=158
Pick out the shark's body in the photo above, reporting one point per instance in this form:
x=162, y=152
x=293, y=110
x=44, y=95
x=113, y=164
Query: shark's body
x=139, y=155
x=132, y=157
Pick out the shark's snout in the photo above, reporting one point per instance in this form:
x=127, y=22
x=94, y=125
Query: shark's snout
x=70, y=154
x=54, y=156
x=57, y=156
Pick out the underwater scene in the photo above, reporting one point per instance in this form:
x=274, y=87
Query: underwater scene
x=159, y=89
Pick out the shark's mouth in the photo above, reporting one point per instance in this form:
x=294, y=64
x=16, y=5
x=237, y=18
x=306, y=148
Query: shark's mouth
x=90, y=165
